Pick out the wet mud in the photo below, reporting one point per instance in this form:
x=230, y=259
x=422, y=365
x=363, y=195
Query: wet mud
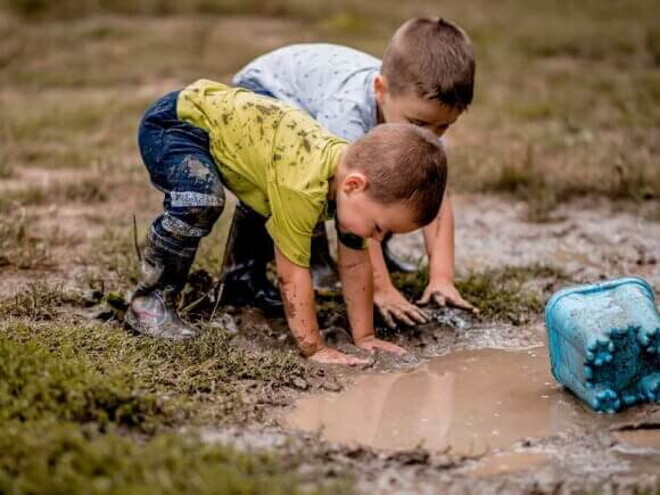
x=468, y=403
x=588, y=239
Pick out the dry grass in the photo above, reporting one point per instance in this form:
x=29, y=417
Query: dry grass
x=567, y=104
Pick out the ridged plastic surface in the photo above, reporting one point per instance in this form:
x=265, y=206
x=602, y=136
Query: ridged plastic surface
x=604, y=342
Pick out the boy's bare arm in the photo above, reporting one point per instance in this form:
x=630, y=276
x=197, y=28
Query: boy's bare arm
x=298, y=296
x=439, y=241
x=357, y=282
x=391, y=304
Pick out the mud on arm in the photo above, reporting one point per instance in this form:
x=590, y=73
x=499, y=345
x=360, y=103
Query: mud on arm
x=298, y=297
x=357, y=283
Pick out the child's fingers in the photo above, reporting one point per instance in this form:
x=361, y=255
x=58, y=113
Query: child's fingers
x=412, y=312
x=403, y=317
x=387, y=318
x=459, y=302
x=418, y=314
x=425, y=299
x=439, y=298
x=393, y=348
x=376, y=344
x=333, y=356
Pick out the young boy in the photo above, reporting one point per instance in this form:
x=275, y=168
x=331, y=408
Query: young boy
x=285, y=167
x=426, y=78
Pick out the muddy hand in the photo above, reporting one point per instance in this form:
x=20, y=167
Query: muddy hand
x=445, y=294
x=393, y=307
x=373, y=344
x=328, y=355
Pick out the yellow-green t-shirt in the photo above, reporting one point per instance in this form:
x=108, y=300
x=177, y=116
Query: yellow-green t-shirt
x=272, y=156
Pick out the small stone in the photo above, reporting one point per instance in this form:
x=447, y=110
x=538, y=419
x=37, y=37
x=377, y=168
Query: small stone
x=300, y=383
x=331, y=386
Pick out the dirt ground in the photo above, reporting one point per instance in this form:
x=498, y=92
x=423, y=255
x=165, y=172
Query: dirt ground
x=555, y=181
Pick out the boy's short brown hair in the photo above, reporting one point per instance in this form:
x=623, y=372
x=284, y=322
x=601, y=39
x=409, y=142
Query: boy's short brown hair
x=402, y=162
x=434, y=58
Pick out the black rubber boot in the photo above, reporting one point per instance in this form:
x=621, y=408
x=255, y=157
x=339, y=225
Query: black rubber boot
x=249, y=249
x=393, y=263
x=324, y=269
x=152, y=310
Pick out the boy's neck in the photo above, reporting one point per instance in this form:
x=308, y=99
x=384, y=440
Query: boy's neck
x=379, y=114
x=334, y=181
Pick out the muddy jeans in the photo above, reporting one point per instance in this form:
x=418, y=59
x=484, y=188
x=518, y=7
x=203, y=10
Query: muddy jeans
x=180, y=165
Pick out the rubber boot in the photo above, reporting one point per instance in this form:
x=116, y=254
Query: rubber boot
x=249, y=249
x=152, y=310
x=324, y=269
x=393, y=263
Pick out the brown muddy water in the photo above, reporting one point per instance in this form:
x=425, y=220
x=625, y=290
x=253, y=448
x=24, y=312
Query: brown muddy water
x=466, y=402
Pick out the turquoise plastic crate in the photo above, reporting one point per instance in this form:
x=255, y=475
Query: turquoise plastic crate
x=604, y=342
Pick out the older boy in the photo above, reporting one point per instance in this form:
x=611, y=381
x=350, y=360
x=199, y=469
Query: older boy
x=285, y=167
x=426, y=78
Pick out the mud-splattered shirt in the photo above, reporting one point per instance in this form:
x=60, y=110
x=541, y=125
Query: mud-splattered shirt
x=332, y=83
x=272, y=156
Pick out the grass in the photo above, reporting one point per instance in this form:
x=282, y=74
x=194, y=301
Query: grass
x=576, y=85
x=206, y=374
x=507, y=294
x=510, y=294
x=566, y=104
x=66, y=460
x=20, y=246
x=107, y=405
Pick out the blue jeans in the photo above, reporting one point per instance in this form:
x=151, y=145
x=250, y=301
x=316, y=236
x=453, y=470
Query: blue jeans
x=180, y=165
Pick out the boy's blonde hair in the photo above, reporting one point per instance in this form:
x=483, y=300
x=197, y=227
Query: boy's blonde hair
x=405, y=163
x=434, y=58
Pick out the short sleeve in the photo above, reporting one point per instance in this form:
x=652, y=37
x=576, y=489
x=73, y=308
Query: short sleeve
x=291, y=224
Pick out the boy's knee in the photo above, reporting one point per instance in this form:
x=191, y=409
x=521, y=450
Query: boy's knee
x=204, y=217
x=196, y=221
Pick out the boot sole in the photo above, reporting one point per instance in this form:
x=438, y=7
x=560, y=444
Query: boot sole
x=131, y=323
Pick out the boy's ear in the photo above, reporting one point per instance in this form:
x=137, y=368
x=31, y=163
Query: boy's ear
x=355, y=182
x=381, y=87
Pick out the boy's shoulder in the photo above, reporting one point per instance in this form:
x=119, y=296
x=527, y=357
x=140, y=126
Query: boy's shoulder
x=332, y=83
x=317, y=65
x=321, y=53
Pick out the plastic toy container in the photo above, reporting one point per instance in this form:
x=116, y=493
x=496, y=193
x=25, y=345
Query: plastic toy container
x=604, y=342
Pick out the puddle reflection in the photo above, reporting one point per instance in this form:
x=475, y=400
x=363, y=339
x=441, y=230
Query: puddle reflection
x=468, y=401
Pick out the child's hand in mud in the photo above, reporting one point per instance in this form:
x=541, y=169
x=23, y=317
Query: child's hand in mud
x=393, y=307
x=328, y=355
x=373, y=344
x=444, y=293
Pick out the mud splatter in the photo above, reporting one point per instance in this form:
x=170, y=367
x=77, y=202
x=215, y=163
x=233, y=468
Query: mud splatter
x=196, y=169
x=267, y=109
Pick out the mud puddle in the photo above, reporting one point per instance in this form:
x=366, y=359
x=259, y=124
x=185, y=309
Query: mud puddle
x=467, y=402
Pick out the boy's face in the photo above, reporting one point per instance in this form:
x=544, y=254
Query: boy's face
x=359, y=214
x=411, y=108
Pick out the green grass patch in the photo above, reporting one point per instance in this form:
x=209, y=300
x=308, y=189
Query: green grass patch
x=91, y=409
x=510, y=294
x=35, y=384
x=63, y=459
x=507, y=294
x=205, y=376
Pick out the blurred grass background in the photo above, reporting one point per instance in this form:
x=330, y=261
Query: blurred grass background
x=567, y=99
x=567, y=104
